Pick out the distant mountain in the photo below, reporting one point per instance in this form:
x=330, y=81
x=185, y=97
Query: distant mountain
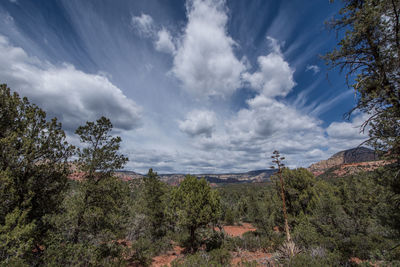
x=225, y=178
x=348, y=162
x=256, y=176
x=128, y=175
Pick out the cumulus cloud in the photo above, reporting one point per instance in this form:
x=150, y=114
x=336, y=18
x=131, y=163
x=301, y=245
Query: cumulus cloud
x=143, y=24
x=71, y=95
x=205, y=62
x=347, y=130
x=274, y=77
x=314, y=68
x=164, y=42
x=199, y=122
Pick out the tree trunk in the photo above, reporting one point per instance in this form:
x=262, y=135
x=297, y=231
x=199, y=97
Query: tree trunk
x=288, y=238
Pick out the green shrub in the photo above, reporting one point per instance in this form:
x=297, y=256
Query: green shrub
x=312, y=259
x=216, y=258
x=142, y=252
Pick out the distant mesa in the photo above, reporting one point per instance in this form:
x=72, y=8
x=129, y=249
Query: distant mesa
x=348, y=162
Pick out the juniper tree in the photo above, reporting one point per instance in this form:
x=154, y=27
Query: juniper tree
x=195, y=206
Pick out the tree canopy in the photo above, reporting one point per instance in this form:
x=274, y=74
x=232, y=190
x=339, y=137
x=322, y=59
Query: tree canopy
x=369, y=53
x=33, y=172
x=195, y=205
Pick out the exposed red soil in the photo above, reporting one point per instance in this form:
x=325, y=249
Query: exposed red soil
x=167, y=258
x=238, y=230
x=350, y=168
x=238, y=257
x=359, y=261
x=77, y=176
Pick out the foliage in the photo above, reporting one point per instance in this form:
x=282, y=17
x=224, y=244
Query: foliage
x=100, y=157
x=96, y=212
x=347, y=219
x=142, y=252
x=314, y=258
x=300, y=193
x=33, y=173
x=195, y=206
x=369, y=51
x=217, y=257
x=16, y=239
x=153, y=200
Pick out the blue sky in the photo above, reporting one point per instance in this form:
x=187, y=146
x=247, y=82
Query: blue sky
x=195, y=86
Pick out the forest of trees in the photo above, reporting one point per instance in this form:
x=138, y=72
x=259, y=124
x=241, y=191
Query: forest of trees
x=47, y=219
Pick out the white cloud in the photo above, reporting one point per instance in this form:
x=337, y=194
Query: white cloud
x=348, y=130
x=164, y=42
x=275, y=77
x=314, y=68
x=143, y=24
x=205, y=62
x=199, y=122
x=71, y=95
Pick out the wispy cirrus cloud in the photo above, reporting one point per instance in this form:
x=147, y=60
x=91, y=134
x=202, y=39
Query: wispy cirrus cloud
x=314, y=68
x=143, y=24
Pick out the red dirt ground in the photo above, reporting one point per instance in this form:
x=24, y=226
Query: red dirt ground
x=238, y=257
x=167, y=258
x=233, y=230
x=246, y=256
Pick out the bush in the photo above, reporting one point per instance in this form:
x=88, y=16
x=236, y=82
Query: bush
x=253, y=241
x=310, y=260
x=213, y=240
x=229, y=217
x=142, y=252
x=216, y=258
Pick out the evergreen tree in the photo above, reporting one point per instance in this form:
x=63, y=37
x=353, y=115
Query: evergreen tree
x=97, y=160
x=300, y=193
x=95, y=213
x=33, y=175
x=369, y=52
x=154, y=205
x=195, y=206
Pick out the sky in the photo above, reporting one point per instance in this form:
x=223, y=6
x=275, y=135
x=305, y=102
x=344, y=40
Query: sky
x=195, y=86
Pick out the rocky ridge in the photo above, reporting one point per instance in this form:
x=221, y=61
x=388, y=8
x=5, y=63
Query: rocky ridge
x=348, y=162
